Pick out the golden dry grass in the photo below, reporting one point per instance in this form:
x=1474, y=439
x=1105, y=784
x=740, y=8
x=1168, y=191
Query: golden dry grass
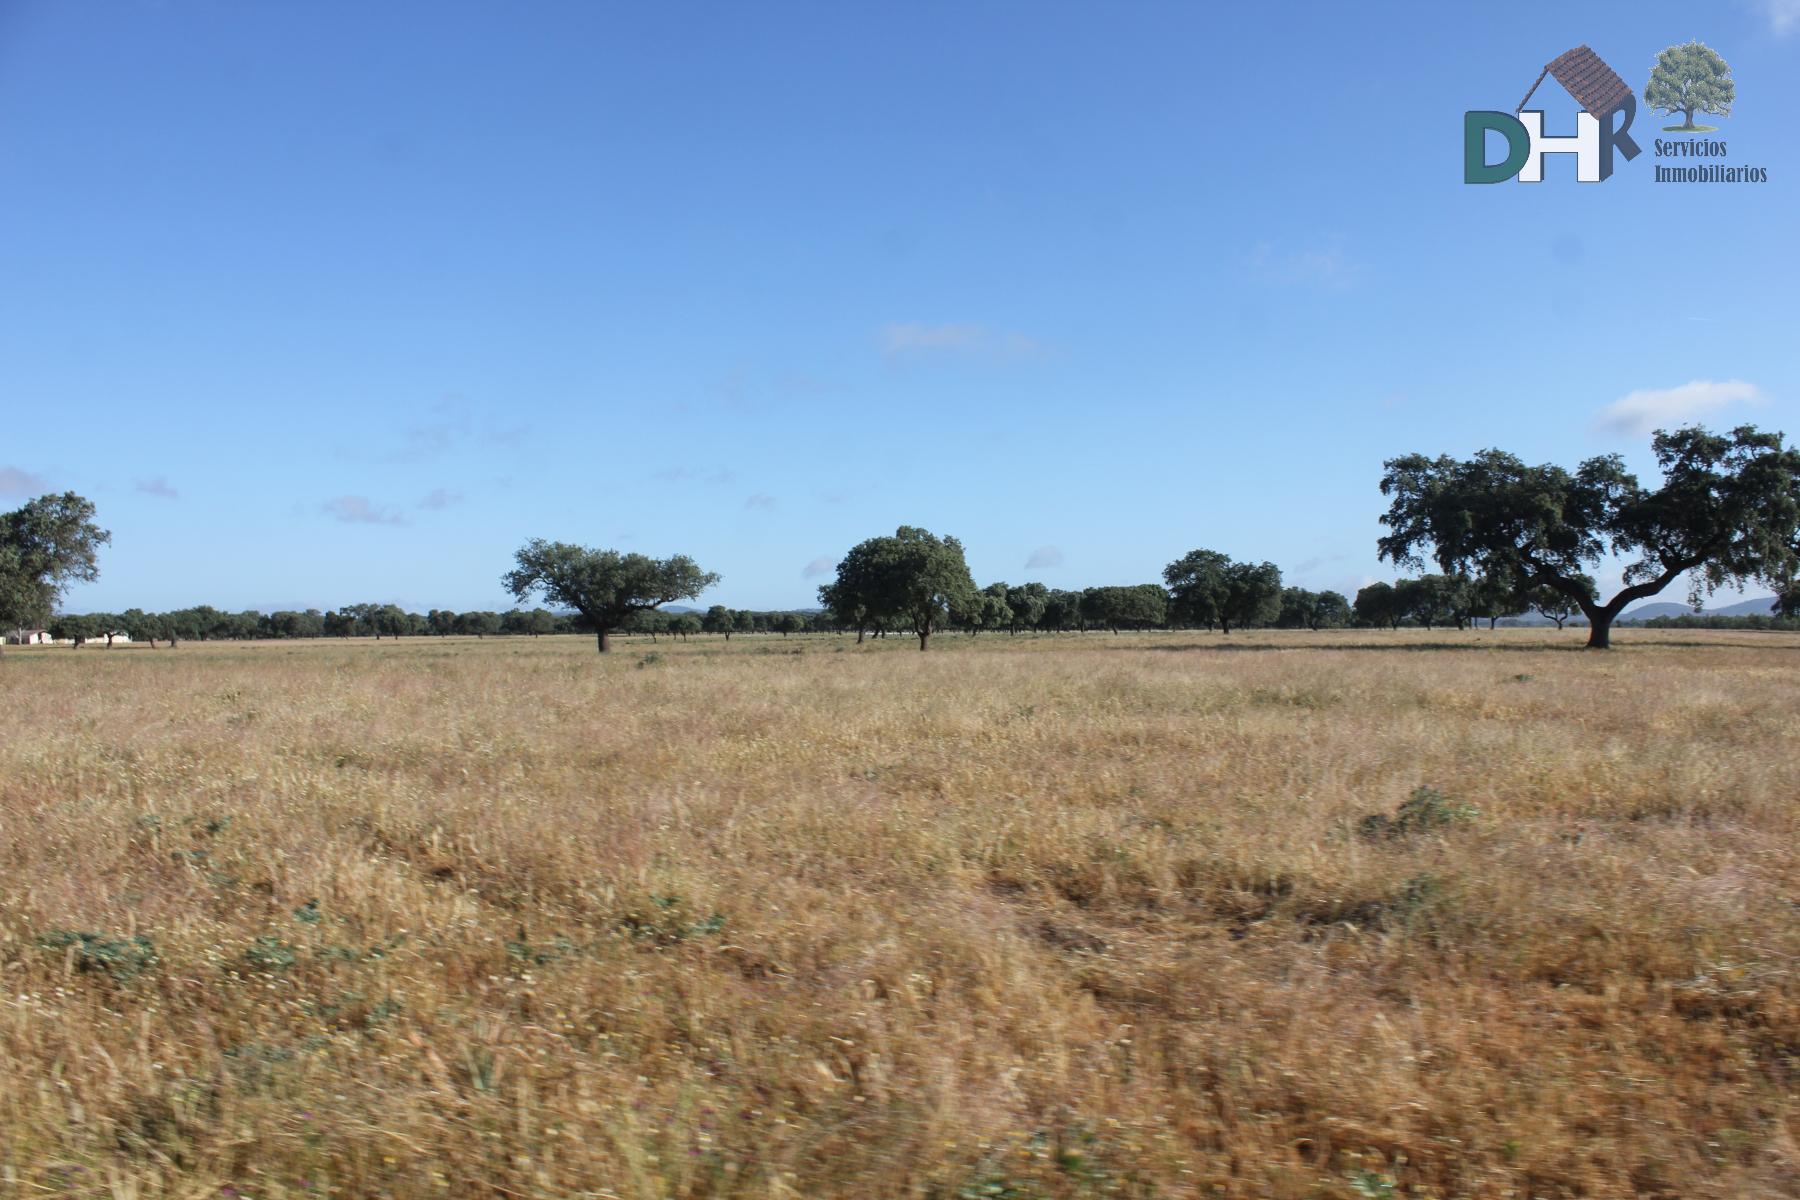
x=1053, y=917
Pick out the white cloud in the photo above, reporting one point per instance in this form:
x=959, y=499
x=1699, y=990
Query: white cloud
x=359, y=510
x=822, y=565
x=16, y=481
x=1045, y=556
x=1659, y=408
x=912, y=339
x=1784, y=16
x=762, y=502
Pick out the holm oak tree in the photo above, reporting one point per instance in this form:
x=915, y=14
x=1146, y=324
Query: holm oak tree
x=604, y=586
x=1727, y=512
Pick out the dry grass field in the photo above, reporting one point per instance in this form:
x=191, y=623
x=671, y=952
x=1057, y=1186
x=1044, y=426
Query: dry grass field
x=1072, y=916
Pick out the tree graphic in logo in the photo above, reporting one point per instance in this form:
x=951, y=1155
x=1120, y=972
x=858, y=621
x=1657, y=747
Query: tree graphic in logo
x=1688, y=79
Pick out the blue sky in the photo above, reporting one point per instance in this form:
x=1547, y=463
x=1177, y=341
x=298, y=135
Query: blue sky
x=324, y=303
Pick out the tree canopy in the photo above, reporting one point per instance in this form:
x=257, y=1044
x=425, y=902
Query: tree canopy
x=1302, y=608
x=1210, y=589
x=1727, y=512
x=1197, y=582
x=1138, y=606
x=1027, y=603
x=46, y=545
x=604, y=586
x=913, y=578
x=1378, y=604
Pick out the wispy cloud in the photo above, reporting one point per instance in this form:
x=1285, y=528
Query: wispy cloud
x=359, y=510
x=510, y=436
x=438, y=499
x=761, y=502
x=16, y=481
x=1326, y=268
x=1784, y=16
x=1045, y=556
x=686, y=474
x=822, y=565
x=421, y=443
x=450, y=425
x=915, y=340
x=158, y=487
x=1654, y=408
x=1308, y=565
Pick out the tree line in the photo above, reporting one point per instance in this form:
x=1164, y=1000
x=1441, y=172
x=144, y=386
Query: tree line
x=1507, y=538
x=997, y=608
x=204, y=623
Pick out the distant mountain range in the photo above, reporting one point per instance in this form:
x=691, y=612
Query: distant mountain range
x=1759, y=606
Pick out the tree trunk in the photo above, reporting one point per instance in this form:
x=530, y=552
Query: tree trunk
x=1600, y=631
x=925, y=637
x=600, y=636
x=859, y=635
x=1689, y=123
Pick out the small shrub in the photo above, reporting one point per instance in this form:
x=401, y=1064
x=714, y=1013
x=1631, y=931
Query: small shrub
x=670, y=925
x=1427, y=810
x=649, y=660
x=1375, y=1185
x=121, y=959
x=269, y=953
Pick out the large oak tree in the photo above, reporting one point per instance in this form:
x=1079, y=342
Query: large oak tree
x=604, y=586
x=1727, y=511
x=1210, y=589
x=913, y=578
x=45, y=546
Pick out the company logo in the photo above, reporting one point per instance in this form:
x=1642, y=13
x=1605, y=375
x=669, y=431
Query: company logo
x=1603, y=126
x=1688, y=79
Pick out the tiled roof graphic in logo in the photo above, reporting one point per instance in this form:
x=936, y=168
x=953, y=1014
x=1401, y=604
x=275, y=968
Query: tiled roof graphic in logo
x=1585, y=76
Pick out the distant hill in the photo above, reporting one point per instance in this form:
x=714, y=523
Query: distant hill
x=1759, y=606
x=1660, y=608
